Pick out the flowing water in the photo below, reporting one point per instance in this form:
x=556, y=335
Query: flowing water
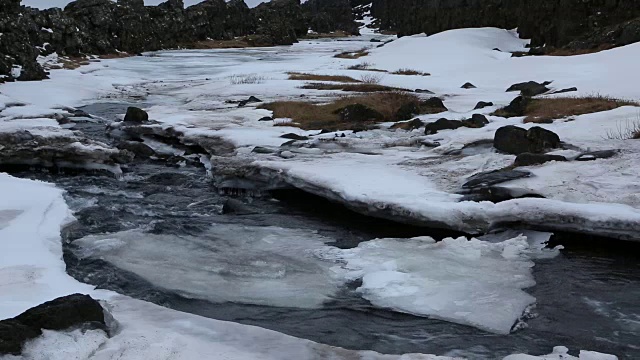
x=190, y=247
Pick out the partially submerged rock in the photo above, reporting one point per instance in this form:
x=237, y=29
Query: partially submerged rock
x=136, y=115
x=515, y=140
x=528, y=159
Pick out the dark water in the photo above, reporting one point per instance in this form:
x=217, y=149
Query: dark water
x=587, y=298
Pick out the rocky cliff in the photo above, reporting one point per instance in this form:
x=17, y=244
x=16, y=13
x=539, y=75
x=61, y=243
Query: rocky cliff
x=325, y=16
x=103, y=26
x=547, y=22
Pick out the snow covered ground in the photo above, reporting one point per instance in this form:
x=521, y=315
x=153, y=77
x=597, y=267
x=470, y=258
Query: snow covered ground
x=379, y=172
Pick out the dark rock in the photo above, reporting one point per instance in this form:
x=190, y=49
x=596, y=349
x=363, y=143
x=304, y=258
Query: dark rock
x=482, y=104
x=59, y=314
x=442, y=124
x=408, y=125
x=494, y=194
x=375, y=40
x=250, y=100
x=432, y=105
x=423, y=91
x=528, y=159
x=468, y=85
x=515, y=140
x=571, y=89
x=359, y=113
x=476, y=121
x=489, y=178
x=140, y=149
x=136, y=115
x=593, y=155
x=237, y=207
x=293, y=136
x=517, y=107
x=262, y=150
x=529, y=88
x=325, y=16
x=266, y=118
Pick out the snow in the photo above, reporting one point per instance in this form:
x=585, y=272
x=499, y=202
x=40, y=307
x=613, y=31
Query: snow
x=562, y=353
x=470, y=282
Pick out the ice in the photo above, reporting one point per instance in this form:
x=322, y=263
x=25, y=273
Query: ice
x=562, y=353
x=470, y=282
x=228, y=263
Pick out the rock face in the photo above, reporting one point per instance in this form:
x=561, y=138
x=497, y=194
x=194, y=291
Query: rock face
x=326, y=16
x=60, y=314
x=98, y=27
x=515, y=140
x=551, y=22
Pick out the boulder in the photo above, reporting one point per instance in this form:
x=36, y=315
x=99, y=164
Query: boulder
x=476, y=121
x=482, y=104
x=432, y=105
x=60, y=314
x=528, y=159
x=359, y=113
x=529, y=88
x=138, y=148
x=442, y=124
x=136, y=115
x=517, y=107
x=515, y=140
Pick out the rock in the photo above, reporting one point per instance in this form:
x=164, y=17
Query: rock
x=593, y=155
x=359, y=113
x=529, y=88
x=136, y=115
x=482, y=104
x=571, y=89
x=168, y=179
x=494, y=194
x=517, y=107
x=237, y=207
x=250, y=100
x=515, y=140
x=408, y=125
x=423, y=91
x=442, y=124
x=266, y=118
x=262, y=150
x=325, y=16
x=468, y=85
x=140, y=149
x=59, y=314
x=432, y=105
x=489, y=178
x=476, y=121
x=528, y=159
x=293, y=136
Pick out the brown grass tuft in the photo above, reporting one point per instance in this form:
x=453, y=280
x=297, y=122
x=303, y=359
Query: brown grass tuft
x=323, y=116
x=362, y=87
x=545, y=110
x=572, y=52
x=314, y=77
x=352, y=54
x=410, y=72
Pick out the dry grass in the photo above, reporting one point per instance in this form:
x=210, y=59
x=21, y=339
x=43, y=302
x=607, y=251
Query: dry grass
x=361, y=87
x=545, y=110
x=352, y=54
x=410, y=72
x=246, y=79
x=630, y=129
x=324, y=116
x=238, y=43
x=371, y=78
x=315, y=77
